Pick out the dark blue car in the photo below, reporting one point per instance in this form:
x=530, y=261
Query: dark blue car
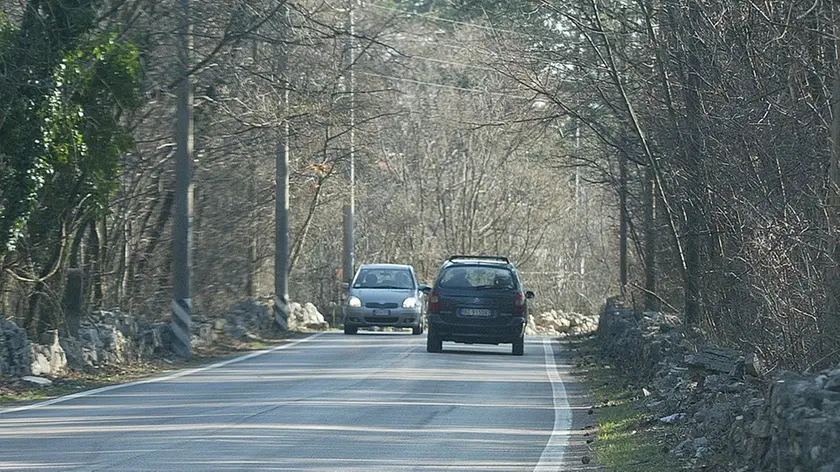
x=478, y=300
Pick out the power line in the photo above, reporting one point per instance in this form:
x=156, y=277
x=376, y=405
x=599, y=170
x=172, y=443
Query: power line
x=444, y=86
x=447, y=20
x=453, y=63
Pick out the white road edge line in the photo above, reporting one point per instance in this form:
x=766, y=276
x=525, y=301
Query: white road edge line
x=552, y=455
x=174, y=376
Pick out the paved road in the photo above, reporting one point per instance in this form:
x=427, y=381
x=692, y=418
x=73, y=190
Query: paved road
x=329, y=402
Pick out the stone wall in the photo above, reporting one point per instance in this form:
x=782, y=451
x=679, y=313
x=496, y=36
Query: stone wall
x=799, y=424
x=642, y=343
x=730, y=414
x=112, y=338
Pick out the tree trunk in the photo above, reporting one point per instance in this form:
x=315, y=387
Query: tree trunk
x=123, y=269
x=94, y=266
x=622, y=246
x=652, y=302
x=35, y=323
x=833, y=200
x=694, y=164
x=73, y=301
x=140, y=258
x=251, y=255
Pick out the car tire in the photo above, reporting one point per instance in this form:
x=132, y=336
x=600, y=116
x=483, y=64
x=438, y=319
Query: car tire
x=419, y=328
x=433, y=343
x=518, y=348
x=350, y=329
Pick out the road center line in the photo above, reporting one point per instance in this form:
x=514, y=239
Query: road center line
x=552, y=455
x=176, y=375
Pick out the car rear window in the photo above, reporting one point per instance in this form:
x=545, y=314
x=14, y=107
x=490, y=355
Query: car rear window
x=384, y=278
x=477, y=277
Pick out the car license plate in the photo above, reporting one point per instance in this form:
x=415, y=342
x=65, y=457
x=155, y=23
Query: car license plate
x=381, y=312
x=475, y=312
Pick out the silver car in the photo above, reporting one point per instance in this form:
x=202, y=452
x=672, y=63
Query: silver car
x=385, y=295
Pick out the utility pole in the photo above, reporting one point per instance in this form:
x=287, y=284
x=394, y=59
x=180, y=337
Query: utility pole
x=182, y=238
x=281, y=197
x=578, y=219
x=281, y=233
x=349, y=213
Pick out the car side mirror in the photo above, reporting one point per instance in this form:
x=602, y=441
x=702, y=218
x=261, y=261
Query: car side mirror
x=529, y=294
x=425, y=288
x=345, y=285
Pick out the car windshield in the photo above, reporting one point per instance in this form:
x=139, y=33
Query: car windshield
x=477, y=277
x=384, y=278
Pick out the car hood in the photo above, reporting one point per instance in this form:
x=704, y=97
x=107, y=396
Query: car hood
x=382, y=295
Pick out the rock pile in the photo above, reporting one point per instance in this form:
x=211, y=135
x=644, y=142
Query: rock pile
x=249, y=318
x=728, y=413
x=560, y=324
x=306, y=317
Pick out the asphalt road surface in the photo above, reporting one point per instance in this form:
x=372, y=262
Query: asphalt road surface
x=327, y=402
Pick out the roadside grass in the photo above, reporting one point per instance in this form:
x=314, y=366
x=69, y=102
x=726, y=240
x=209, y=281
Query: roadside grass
x=627, y=439
x=14, y=391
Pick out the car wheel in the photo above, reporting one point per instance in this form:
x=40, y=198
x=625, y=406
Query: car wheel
x=419, y=328
x=433, y=343
x=518, y=348
x=350, y=329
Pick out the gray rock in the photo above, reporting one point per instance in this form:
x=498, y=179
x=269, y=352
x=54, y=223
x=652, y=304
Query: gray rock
x=715, y=359
x=832, y=383
x=40, y=364
x=832, y=467
x=40, y=381
x=670, y=419
x=306, y=316
x=684, y=448
x=702, y=452
x=760, y=429
x=15, y=349
x=753, y=365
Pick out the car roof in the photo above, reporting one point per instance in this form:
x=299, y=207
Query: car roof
x=385, y=266
x=478, y=260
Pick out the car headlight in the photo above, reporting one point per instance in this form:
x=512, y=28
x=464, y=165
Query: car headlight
x=354, y=302
x=410, y=302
